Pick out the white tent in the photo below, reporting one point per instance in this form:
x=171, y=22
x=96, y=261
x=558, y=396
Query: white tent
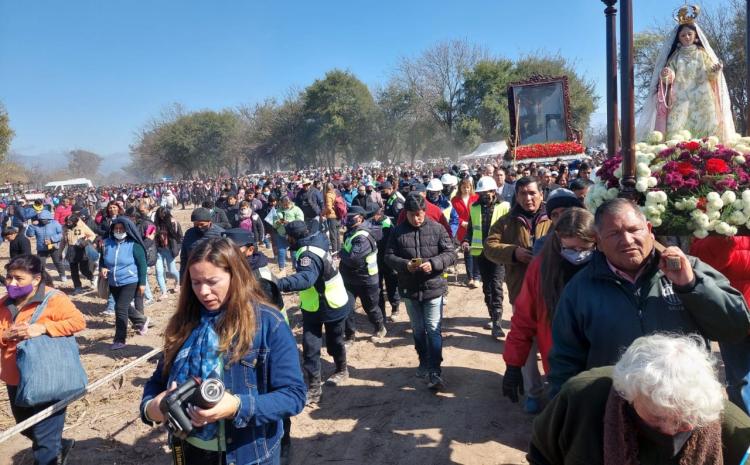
x=487, y=150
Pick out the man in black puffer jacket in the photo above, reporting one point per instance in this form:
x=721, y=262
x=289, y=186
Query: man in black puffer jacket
x=419, y=250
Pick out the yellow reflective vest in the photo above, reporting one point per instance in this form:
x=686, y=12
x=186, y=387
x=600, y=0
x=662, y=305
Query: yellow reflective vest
x=477, y=241
x=334, y=289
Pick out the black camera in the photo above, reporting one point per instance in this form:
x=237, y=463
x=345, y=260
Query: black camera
x=204, y=394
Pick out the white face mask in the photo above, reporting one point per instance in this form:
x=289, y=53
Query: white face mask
x=120, y=236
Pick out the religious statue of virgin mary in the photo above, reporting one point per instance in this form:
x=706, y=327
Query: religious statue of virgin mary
x=687, y=89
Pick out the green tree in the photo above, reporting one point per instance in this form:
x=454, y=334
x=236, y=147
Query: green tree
x=83, y=164
x=583, y=99
x=484, y=103
x=6, y=133
x=339, y=111
x=395, y=108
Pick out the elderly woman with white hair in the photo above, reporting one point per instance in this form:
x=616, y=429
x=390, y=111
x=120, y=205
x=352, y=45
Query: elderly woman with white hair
x=662, y=403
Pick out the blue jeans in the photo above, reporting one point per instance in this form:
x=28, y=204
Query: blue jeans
x=164, y=256
x=283, y=245
x=472, y=267
x=426, y=321
x=46, y=436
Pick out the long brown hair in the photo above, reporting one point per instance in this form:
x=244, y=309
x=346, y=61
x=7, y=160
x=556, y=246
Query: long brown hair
x=468, y=182
x=237, y=325
x=574, y=222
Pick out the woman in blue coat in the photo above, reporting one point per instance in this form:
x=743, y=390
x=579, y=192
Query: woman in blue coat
x=224, y=329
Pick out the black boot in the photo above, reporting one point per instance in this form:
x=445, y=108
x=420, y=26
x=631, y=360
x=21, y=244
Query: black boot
x=341, y=375
x=314, y=389
x=394, y=312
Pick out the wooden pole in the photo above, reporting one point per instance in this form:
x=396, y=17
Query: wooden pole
x=628, y=99
x=613, y=140
x=52, y=409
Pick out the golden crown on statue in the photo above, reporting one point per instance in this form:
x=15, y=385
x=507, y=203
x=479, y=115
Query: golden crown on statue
x=687, y=14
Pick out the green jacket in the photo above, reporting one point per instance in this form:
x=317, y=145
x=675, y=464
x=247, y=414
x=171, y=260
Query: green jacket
x=600, y=314
x=292, y=214
x=570, y=429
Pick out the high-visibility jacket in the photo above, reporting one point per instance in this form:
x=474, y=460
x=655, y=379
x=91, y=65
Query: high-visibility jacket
x=475, y=213
x=372, y=258
x=334, y=289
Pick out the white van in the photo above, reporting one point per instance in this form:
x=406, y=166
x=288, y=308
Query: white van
x=77, y=183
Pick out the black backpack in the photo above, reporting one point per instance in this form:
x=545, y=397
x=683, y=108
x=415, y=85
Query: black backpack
x=150, y=251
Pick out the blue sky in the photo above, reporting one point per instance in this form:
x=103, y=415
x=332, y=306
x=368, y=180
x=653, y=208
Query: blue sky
x=89, y=74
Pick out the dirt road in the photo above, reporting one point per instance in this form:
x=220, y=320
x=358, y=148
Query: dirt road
x=383, y=415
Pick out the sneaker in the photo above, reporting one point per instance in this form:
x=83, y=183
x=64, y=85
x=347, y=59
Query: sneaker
x=148, y=302
x=338, y=378
x=77, y=291
x=143, y=330
x=488, y=325
x=435, y=382
x=471, y=284
x=422, y=373
x=109, y=312
x=532, y=405
x=95, y=281
x=67, y=445
x=380, y=334
x=349, y=340
x=117, y=346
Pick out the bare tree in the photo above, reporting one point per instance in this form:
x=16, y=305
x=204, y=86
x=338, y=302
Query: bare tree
x=437, y=77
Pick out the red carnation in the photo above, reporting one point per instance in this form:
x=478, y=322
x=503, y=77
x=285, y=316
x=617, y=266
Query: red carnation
x=716, y=166
x=702, y=204
x=692, y=146
x=685, y=168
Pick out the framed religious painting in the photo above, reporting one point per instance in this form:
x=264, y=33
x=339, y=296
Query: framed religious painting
x=539, y=111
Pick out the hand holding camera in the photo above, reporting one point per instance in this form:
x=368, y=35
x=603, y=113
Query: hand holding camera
x=195, y=403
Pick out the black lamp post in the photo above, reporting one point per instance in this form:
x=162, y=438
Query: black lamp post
x=627, y=119
x=612, y=127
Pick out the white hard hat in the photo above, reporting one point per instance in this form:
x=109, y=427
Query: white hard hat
x=463, y=167
x=435, y=185
x=486, y=184
x=449, y=180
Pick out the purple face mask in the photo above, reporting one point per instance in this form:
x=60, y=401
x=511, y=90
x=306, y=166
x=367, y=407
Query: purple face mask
x=16, y=292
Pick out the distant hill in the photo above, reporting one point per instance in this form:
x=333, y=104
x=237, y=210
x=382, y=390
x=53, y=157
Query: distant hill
x=57, y=160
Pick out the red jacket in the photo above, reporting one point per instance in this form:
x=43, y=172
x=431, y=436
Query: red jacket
x=730, y=256
x=529, y=321
x=62, y=213
x=462, y=210
x=433, y=212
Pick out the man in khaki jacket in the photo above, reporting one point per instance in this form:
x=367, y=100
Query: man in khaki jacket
x=509, y=242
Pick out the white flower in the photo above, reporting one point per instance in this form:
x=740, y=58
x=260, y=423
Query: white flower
x=656, y=222
x=712, y=196
x=618, y=172
x=651, y=211
x=672, y=142
x=655, y=137
x=679, y=205
x=728, y=197
x=686, y=134
x=700, y=233
x=739, y=160
x=737, y=217
x=713, y=214
x=738, y=204
x=642, y=170
x=641, y=185
x=746, y=195
x=652, y=181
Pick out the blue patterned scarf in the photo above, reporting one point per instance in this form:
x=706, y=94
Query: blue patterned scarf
x=199, y=357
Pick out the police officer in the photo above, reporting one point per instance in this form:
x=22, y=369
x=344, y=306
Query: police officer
x=324, y=302
x=359, y=268
x=258, y=262
x=482, y=215
x=393, y=199
x=387, y=276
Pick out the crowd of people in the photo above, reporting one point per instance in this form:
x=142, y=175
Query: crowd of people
x=588, y=291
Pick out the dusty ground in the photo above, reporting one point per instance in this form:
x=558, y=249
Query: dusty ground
x=384, y=415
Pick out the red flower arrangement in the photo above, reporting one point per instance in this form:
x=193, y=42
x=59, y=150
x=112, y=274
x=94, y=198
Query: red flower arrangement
x=716, y=166
x=549, y=150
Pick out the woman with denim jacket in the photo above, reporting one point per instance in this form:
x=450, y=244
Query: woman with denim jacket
x=225, y=329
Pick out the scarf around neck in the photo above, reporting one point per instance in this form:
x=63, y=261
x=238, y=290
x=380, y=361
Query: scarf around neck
x=199, y=357
x=621, y=444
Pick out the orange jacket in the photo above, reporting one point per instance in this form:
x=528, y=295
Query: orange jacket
x=61, y=318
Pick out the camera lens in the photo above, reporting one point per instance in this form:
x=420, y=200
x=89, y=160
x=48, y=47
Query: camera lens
x=212, y=390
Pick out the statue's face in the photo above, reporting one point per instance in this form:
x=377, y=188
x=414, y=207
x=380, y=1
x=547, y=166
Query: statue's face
x=686, y=36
